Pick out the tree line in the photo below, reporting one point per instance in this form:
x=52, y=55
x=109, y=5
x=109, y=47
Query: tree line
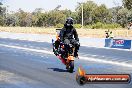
x=94, y=16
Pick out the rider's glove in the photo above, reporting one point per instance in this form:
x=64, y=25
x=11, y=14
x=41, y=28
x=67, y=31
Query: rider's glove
x=61, y=43
x=78, y=43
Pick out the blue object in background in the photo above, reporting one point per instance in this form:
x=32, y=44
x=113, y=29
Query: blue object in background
x=120, y=43
x=107, y=42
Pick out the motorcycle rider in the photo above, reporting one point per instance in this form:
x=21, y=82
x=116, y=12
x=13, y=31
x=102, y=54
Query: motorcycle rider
x=68, y=35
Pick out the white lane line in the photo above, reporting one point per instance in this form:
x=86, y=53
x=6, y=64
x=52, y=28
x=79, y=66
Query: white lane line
x=81, y=57
x=107, y=62
x=28, y=49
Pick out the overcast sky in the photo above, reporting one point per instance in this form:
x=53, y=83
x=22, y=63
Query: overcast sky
x=30, y=5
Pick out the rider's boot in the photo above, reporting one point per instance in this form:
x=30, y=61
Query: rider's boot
x=56, y=52
x=76, y=55
x=76, y=52
x=67, y=66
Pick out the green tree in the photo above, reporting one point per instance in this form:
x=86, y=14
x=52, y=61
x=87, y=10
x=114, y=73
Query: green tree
x=88, y=12
x=101, y=14
x=22, y=18
x=122, y=17
x=56, y=17
x=129, y=15
x=42, y=19
x=10, y=20
x=114, y=13
x=127, y=4
x=2, y=14
x=69, y=13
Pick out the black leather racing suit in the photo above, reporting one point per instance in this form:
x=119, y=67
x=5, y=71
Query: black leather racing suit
x=68, y=35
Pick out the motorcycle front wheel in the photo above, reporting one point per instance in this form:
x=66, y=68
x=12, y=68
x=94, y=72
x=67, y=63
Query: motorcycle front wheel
x=71, y=66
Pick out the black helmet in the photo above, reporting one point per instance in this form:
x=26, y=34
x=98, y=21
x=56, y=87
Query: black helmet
x=69, y=21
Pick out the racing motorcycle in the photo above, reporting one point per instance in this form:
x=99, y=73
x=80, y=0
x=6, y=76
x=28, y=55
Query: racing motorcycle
x=65, y=52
